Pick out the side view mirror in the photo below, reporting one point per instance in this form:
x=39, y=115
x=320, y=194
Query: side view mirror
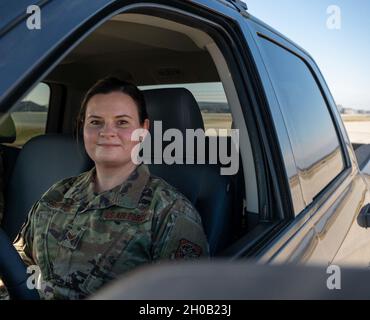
x=363, y=218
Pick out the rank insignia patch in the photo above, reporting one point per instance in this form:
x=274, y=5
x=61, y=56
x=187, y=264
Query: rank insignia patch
x=188, y=249
x=72, y=236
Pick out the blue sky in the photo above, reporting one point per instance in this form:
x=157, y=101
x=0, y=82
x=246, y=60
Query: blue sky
x=343, y=55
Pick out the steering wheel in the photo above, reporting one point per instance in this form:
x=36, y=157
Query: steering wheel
x=13, y=271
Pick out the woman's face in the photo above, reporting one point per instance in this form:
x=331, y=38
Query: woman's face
x=110, y=120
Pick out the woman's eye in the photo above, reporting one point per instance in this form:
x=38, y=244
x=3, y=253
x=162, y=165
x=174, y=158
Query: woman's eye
x=95, y=122
x=121, y=122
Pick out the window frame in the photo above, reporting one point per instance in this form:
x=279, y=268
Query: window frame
x=56, y=106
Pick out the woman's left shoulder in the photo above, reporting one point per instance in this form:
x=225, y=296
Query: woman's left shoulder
x=166, y=196
x=164, y=191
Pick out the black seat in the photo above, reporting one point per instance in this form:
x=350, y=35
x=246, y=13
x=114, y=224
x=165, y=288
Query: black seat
x=43, y=161
x=202, y=184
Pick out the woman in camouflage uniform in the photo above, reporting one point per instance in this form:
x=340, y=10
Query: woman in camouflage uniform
x=89, y=229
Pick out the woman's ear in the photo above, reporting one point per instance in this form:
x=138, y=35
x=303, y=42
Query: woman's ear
x=146, y=124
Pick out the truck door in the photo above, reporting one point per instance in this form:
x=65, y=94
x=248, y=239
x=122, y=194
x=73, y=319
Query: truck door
x=326, y=190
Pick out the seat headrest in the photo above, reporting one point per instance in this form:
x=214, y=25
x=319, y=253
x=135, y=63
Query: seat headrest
x=175, y=107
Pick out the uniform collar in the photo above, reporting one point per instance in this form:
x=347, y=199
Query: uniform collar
x=125, y=195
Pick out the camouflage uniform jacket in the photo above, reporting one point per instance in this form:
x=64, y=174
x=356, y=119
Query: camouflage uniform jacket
x=81, y=240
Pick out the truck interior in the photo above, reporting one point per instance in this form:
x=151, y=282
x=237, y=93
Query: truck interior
x=181, y=70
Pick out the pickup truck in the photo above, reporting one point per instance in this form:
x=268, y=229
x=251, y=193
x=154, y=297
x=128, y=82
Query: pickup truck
x=299, y=194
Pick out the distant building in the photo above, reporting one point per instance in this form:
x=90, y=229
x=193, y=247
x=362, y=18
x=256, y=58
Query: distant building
x=349, y=111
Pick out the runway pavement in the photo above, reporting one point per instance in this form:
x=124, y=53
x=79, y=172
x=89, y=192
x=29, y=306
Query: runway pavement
x=358, y=131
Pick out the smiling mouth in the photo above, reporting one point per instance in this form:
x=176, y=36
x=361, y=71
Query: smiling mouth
x=108, y=145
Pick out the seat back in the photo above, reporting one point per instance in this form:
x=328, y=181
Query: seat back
x=43, y=160
x=202, y=184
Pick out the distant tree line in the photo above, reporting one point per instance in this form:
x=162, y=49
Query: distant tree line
x=214, y=107
x=29, y=106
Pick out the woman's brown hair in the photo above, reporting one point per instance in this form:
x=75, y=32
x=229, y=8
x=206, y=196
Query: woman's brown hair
x=108, y=85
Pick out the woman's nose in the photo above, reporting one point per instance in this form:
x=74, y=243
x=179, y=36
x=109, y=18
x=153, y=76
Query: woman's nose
x=107, y=131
